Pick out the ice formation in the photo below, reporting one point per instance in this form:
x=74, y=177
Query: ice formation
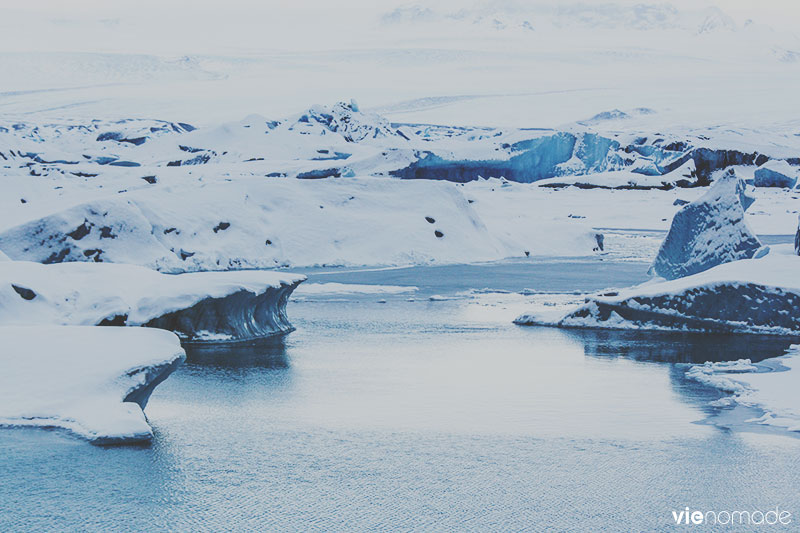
x=709, y=231
x=342, y=140
x=759, y=296
x=94, y=382
x=775, y=173
x=202, y=306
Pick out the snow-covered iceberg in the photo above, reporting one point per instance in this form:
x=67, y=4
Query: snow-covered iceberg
x=775, y=173
x=709, y=231
x=759, y=296
x=201, y=306
x=94, y=382
x=769, y=385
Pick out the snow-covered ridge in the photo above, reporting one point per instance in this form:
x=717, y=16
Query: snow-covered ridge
x=203, y=306
x=94, y=382
x=193, y=223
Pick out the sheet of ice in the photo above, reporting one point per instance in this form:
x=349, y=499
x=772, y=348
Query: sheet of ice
x=197, y=306
x=316, y=289
x=770, y=385
x=757, y=296
x=709, y=231
x=94, y=382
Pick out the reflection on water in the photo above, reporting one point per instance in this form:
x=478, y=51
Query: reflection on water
x=262, y=353
x=677, y=347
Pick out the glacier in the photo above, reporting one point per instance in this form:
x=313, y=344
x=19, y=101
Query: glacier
x=198, y=307
x=709, y=231
x=179, y=198
x=93, y=382
x=341, y=139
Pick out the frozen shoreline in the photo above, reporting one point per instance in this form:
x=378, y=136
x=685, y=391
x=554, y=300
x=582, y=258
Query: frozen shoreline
x=770, y=386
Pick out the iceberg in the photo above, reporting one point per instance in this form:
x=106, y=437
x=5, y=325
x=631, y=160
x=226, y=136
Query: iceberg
x=94, y=382
x=775, y=173
x=709, y=231
x=198, y=307
x=756, y=296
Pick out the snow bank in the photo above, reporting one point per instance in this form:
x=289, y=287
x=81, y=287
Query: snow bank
x=759, y=296
x=708, y=232
x=770, y=385
x=94, y=382
x=200, y=306
x=190, y=224
x=776, y=173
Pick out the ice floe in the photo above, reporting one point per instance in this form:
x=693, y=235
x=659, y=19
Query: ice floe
x=758, y=296
x=94, y=382
x=202, y=306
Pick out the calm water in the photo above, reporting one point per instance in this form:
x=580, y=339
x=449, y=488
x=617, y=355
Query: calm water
x=418, y=415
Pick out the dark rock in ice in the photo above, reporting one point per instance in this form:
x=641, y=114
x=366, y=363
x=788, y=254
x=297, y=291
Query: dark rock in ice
x=25, y=293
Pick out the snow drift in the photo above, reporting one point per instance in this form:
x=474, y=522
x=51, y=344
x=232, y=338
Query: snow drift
x=708, y=232
x=202, y=306
x=759, y=296
x=94, y=382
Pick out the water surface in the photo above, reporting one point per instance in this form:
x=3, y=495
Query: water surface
x=419, y=415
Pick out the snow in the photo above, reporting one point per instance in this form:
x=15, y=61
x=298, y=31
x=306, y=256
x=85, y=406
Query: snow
x=770, y=385
x=754, y=296
x=197, y=306
x=94, y=382
x=188, y=224
x=709, y=231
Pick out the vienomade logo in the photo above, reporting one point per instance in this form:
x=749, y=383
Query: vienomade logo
x=747, y=518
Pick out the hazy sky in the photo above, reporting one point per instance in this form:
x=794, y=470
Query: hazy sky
x=785, y=12
x=167, y=27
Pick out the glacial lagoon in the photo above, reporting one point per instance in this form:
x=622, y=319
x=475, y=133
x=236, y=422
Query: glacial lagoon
x=403, y=411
